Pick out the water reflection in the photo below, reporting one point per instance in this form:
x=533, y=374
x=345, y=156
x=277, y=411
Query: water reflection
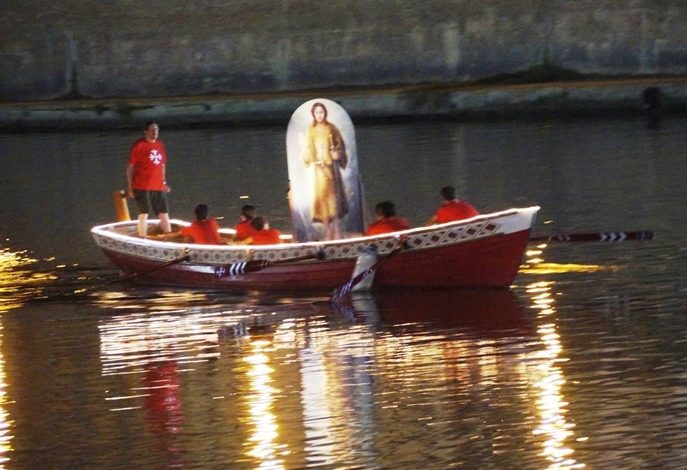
x=535, y=264
x=420, y=389
x=548, y=379
x=362, y=384
x=161, y=332
x=18, y=281
x=544, y=366
x=423, y=347
x=164, y=416
x=25, y=279
x=260, y=402
x=337, y=394
x=5, y=420
x=477, y=312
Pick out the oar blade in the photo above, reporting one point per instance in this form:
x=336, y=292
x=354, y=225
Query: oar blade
x=594, y=237
x=345, y=289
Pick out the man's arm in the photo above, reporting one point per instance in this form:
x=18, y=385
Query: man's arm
x=165, y=186
x=129, y=177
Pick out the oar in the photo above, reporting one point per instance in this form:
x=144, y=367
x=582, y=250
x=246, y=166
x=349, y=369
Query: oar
x=345, y=289
x=245, y=267
x=128, y=277
x=185, y=257
x=594, y=236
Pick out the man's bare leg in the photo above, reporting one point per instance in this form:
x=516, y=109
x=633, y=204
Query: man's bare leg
x=142, y=227
x=164, y=222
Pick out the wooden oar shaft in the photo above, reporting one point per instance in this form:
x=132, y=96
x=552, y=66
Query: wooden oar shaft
x=164, y=265
x=259, y=265
x=79, y=292
x=245, y=267
x=594, y=237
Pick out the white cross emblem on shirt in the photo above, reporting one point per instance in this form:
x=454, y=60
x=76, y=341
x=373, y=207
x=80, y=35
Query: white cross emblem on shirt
x=155, y=157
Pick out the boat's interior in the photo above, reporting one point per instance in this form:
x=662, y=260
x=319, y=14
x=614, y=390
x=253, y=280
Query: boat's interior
x=155, y=232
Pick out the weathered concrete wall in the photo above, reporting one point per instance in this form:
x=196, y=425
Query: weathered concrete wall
x=126, y=48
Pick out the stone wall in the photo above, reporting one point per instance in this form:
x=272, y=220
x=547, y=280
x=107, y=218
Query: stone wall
x=157, y=48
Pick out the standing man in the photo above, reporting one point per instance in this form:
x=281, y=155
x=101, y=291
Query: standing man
x=145, y=175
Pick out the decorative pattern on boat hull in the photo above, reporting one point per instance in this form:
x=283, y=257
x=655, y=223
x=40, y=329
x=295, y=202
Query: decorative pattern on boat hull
x=146, y=251
x=345, y=249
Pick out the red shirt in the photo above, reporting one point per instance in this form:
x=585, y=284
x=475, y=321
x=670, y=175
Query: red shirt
x=267, y=236
x=244, y=230
x=455, y=210
x=203, y=231
x=387, y=224
x=148, y=160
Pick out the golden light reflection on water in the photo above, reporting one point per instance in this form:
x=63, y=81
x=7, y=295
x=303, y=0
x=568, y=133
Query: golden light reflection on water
x=262, y=441
x=17, y=284
x=416, y=371
x=145, y=340
x=5, y=420
x=131, y=341
x=164, y=301
x=548, y=380
x=535, y=265
x=336, y=395
x=316, y=396
x=558, y=268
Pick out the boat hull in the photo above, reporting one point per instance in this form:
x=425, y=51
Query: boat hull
x=483, y=252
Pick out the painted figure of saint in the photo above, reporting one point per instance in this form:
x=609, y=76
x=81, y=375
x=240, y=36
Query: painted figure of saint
x=324, y=151
x=325, y=191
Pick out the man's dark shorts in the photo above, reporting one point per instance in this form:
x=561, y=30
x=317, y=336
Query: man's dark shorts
x=148, y=202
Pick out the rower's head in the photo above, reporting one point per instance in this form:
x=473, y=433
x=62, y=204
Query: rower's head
x=259, y=223
x=247, y=212
x=448, y=193
x=201, y=212
x=385, y=209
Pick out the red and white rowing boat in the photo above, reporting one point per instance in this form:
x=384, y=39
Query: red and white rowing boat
x=484, y=251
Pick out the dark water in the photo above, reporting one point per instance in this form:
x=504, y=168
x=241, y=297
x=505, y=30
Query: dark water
x=580, y=364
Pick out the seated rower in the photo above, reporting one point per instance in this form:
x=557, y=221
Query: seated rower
x=203, y=230
x=263, y=234
x=387, y=220
x=452, y=208
x=244, y=229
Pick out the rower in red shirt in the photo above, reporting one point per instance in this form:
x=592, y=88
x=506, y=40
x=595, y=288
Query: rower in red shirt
x=203, y=230
x=452, y=208
x=387, y=220
x=244, y=229
x=263, y=235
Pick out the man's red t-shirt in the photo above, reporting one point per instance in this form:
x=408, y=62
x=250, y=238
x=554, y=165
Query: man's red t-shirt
x=455, y=210
x=203, y=231
x=244, y=229
x=148, y=160
x=268, y=236
x=387, y=224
